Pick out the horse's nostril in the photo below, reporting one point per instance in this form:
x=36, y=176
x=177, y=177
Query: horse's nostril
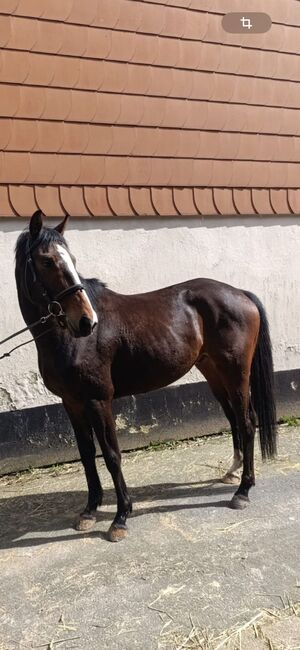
x=85, y=326
x=93, y=326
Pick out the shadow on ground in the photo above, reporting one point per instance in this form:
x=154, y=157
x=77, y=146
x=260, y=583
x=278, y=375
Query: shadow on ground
x=56, y=511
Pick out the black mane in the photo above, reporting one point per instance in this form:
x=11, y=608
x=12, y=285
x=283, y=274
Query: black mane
x=93, y=286
x=46, y=237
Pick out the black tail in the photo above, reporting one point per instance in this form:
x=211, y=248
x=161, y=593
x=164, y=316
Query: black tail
x=262, y=385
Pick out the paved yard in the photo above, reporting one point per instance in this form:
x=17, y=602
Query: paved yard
x=190, y=566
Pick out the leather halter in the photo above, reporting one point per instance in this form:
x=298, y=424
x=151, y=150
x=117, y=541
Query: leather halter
x=54, y=306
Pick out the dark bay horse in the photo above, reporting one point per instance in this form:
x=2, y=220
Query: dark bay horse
x=103, y=345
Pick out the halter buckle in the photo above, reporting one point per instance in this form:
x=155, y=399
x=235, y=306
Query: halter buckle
x=55, y=309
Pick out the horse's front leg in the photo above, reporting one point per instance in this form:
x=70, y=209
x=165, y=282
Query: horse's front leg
x=84, y=436
x=102, y=420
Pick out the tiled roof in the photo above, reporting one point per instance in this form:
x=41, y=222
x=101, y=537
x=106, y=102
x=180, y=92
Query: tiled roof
x=132, y=107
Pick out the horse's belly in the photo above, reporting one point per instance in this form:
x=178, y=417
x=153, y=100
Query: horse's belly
x=144, y=372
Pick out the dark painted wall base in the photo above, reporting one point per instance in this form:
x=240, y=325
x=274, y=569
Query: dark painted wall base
x=43, y=435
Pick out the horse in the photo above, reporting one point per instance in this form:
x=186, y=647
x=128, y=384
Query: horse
x=102, y=345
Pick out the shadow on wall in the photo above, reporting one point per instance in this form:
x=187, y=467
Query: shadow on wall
x=155, y=223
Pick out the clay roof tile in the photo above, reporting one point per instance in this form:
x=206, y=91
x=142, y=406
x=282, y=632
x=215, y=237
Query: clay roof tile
x=14, y=167
x=24, y=135
x=108, y=13
x=279, y=201
x=141, y=201
x=6, y=32
x=41, y=69
x=131, y=110
x=82, y=107
x=91, y=75
x=57, y=104
x=100, y=139
x=119, y=201
x=48, y=200
x=139, y=79
x=196, y=25
x=146, y=141
x=22, y=198
x=75, y=138
x=152, y=19
x=84, y=13
x=50, y=36
x=139, y=171
x=166, y=51
x=184, y=201
x=223, y=199
x=52, y=9
x=123, y=46
x=92, y=170
x=261, y=201
x=108, y=108
x=115, y=77
x=204, y=201
x=130, y=16
x=66, y=71
x=294, y=200
x=144, y=49
x=74, y=40
x=9, y=100
x=99, y=43
x=6, y=206
x=96, y=201
x=14, y=66
x=72, y=200
x=162, y=199
x=32, y=102
x=243, y=201
x=5, y=132
x=43, y=168
x=186, y=84
x=116, y=170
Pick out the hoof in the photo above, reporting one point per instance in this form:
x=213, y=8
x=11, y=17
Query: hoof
x=85, y=521
x=231, y=479
x=116, y=534
x=238, y=502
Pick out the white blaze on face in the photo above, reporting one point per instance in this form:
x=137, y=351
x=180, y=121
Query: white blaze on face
x=65, y=255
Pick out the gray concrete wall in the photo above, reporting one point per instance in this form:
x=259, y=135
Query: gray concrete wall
x=260, y=254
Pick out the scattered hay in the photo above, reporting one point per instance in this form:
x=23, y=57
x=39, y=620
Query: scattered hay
x=259, y=632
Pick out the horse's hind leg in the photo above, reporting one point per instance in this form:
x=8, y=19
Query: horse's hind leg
x=239, y=394
x=84, y=436
x=209, y=370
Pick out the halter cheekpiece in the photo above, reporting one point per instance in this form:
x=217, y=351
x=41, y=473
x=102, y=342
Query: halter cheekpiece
x=54, y=306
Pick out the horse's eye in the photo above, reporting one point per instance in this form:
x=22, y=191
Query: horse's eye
x=47, y=262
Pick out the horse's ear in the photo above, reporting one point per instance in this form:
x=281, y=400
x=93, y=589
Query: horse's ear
x=62, y=226
x=36, y=224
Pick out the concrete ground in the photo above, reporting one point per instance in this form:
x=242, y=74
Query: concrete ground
x=189, y=569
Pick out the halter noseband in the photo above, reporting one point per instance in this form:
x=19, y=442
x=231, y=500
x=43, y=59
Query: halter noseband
x=54, y=306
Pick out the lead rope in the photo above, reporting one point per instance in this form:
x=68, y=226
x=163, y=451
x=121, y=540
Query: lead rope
x=7, y=354
x=41, y=321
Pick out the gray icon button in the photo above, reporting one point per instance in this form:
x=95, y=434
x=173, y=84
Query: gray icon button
x=246, y=23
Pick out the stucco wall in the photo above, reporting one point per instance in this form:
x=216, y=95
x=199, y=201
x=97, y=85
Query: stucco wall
x=260, y=254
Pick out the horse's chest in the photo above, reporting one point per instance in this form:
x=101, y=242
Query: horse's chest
x=68, y=379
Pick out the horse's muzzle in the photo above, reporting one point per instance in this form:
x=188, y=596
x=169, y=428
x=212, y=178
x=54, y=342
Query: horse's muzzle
x=86, y=326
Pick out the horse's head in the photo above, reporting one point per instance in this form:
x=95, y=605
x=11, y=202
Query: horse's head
x=50, y=276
